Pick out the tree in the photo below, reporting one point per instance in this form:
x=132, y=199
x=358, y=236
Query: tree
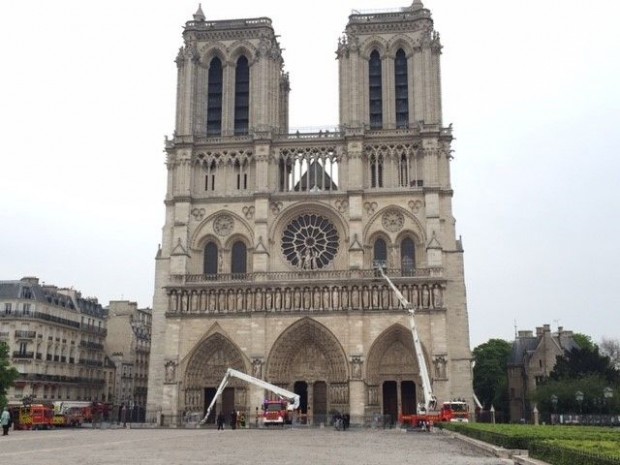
x=8, y=374
x=584, y=341
x=592, y=387
x=583, y=363
x=490, y=373
x=611, y=348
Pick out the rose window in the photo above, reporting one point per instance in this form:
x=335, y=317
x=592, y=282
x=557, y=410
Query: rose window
x=310, y=242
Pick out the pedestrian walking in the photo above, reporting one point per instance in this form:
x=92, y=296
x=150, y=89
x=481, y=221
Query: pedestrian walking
x=5, y=421
x=233, y=420
x=220, y=421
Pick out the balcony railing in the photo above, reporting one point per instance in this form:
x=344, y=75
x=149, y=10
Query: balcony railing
x=293, y=276
x=91, y=345
x=21, y=334
x=18, y=354
x=41, y=316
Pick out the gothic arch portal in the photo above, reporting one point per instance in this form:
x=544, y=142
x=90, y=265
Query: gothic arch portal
x=307, y=350
x=392, y=356
x=205, y=368
x=393, y=373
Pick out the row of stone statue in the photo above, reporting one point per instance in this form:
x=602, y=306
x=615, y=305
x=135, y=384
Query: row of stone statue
x=301, y=298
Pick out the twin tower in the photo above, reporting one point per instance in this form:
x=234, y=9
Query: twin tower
x=272, y=236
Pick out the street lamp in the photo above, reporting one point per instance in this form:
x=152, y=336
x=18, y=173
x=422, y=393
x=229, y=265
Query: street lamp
x=579, y=399
x=554, y=403
x=608, y=393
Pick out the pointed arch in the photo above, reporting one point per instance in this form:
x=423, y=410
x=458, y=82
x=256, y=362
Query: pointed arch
x=375, y=91
x=215, y=91
x=242, y=95
x=239, y=259
x=392, y=356
x=210, y=264
x=401, y=88
x=207, y=363
x=307, y=350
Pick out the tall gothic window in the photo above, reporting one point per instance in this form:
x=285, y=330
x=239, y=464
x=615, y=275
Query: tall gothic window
x=379, y=255
x=242, y=96
x=403, y=171
x=375, y=91
x=376, y=171
x=238, y=265
x=214, y=98
x=210, y=266
x=402, y=89
x=210, y=168
x=242, y=174
x=407, y=257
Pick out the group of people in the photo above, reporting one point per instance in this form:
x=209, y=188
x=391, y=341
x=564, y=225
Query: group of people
x=236, y=419
x=341, y=421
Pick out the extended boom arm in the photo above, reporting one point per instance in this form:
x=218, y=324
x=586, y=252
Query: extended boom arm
x=430, y=401
x=291, y=397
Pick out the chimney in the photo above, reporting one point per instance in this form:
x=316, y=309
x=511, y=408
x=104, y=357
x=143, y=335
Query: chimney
x=547, y=328
x=539, y=331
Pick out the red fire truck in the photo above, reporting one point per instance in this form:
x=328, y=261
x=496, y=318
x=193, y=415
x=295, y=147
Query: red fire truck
x=35, y=416
x=455, y=411
x=275, y=412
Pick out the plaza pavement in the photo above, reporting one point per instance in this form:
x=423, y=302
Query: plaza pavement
x=298, y=446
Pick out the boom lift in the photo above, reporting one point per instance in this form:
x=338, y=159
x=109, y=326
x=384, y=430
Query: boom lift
x=427, y=410
x=291, y=398
x=430, y=401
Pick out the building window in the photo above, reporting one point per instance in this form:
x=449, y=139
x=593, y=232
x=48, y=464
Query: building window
x=242, y=96
x=403, y=171
x=402, y=89
x=238, y=264
x=242, y=175
x=379, y=255
x=376, y=171
x=210, y=259
x=210, y=176
x=26, y=309
x=310, y=242
x=26, y=293
x=8, y=308
x=375, y=91
x=214, y=98
x=407, y=257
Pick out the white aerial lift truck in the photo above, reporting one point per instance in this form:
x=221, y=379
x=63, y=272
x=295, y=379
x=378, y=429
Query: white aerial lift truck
x=281, y=415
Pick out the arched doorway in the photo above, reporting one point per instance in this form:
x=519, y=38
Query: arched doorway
x=308, y=358
x=393, y=371
x=205, y=369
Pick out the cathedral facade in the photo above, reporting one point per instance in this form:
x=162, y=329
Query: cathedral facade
x=272, y=236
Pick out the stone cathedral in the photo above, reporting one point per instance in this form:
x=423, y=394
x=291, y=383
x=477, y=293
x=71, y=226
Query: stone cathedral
x=272, y=235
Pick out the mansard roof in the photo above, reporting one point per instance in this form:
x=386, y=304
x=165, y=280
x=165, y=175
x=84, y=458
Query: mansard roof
x=30, y=289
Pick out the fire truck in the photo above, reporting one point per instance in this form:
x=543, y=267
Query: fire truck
x=33, y=416
x=428, y=412
x=275, y=412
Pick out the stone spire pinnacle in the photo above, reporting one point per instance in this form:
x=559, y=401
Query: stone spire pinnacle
x=199, y=15
x=416, y=5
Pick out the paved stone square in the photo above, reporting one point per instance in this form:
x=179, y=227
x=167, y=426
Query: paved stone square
x=256, y=447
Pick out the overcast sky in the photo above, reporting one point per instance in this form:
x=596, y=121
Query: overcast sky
x=532, y=88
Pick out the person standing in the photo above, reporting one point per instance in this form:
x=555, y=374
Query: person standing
x=233, y=420
x=5, y=421
x=220, y=421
